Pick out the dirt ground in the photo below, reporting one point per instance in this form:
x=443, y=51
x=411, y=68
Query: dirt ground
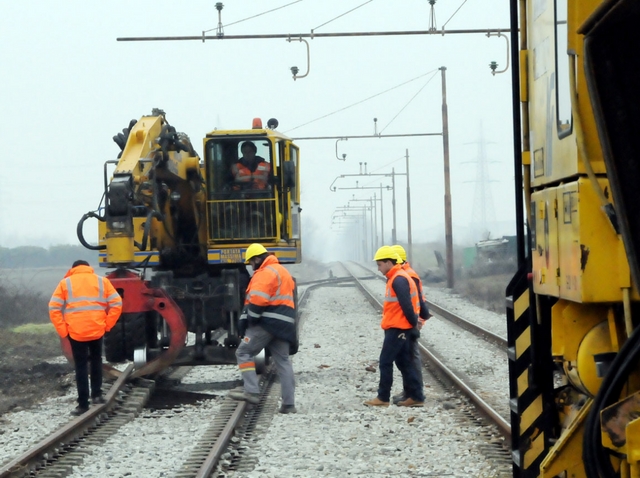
x=25, y=375
x=26, y=378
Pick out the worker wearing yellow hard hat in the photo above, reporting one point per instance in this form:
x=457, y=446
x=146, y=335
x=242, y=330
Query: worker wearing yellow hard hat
x=399, y=322
x=423, y=317
x=254, y=250
x=268, y=321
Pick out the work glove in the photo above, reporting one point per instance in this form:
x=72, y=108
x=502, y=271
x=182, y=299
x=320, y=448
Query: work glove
x=414, y=333
x=242, y=328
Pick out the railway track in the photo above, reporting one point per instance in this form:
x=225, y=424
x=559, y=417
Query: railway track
x=58, y=453
x=436, y=362
x=445, y=314
x=225, y=447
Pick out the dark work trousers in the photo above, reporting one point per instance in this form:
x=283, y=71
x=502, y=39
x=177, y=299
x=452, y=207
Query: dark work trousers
x=417, y=365
x=83, y=353
x=397, y=347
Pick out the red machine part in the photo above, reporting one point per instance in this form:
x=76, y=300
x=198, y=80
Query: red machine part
x=138, y=297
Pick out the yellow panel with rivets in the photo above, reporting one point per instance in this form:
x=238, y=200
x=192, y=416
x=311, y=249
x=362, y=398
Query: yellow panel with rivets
x=588, y=245
x=544, y=242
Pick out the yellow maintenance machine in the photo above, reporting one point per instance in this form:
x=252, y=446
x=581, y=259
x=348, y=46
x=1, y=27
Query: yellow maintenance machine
x=573, y=310
x=189, y=220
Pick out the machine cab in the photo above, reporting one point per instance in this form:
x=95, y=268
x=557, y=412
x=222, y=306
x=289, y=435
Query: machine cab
x=251, y=180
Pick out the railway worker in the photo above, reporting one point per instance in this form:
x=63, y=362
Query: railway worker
x=83, y=307
x=268, y=321
x=400, y=324
x=422, y=318
x=251, y=171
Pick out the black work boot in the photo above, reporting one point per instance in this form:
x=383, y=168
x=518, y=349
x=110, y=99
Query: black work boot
x=79, y=410
x=288, y=409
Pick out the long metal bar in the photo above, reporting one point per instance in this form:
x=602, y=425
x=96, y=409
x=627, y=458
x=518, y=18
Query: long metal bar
x=204, y=37
x=367, y=136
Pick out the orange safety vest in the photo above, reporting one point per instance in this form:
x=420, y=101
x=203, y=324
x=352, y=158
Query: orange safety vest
x=414, y=275
x=84, y=305
x=259, y=177
x=269, y=300
x=392, y=315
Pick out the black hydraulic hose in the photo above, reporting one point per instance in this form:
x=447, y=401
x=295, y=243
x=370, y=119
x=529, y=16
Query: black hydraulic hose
x=80, y=233
x=147, y=228
x=596, y=459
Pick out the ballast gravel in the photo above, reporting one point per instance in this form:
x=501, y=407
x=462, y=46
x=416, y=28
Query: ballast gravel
x=332, y=435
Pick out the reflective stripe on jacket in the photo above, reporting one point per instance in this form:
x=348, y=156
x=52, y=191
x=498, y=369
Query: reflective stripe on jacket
x=259, y=177
x=424, y=310
x=401, y=301
x=84, y=305
x=269, y=300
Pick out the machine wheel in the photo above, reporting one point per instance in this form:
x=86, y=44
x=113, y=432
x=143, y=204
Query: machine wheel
x=128, y=334
x=114, y=343
x=262, y=361
x=135, y=333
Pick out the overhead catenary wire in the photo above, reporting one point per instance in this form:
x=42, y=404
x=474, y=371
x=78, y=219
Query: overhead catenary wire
x=409, y=102
x=341, y=15
x=360, y=102
x=454, y=13
x=255, y=16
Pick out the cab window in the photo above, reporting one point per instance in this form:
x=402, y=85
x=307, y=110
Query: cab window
x=223, y=155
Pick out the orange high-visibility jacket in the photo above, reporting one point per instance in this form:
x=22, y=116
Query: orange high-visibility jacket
x=424, y=310
x=84, y=305
x=393, y=315
x=269, y=300
x=259, y=177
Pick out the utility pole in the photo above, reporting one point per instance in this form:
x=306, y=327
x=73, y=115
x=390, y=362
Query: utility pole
x=409, y=242
x=393, y=205
x=447, y=187
x=381, y=217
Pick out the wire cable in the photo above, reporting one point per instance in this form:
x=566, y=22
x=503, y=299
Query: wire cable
x=345, y=13
x=361, y=101
x=408, y=103
x=254, y=16
x=445, y=23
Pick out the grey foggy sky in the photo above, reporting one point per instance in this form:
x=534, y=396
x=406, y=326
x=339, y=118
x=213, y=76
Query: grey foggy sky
x=68, y=87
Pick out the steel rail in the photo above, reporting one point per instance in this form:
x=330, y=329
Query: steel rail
x=236, y=419
x=503, y=425
x=483, y=407
x=219, y=447
x=470, y=326
x=69, y=432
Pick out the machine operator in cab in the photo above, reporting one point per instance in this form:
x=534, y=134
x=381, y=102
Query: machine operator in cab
x=251, y=171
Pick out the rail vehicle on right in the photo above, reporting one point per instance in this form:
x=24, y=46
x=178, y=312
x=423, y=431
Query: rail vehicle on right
x=573, y=308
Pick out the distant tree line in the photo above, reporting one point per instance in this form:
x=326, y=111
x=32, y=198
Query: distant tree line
x=34, y=256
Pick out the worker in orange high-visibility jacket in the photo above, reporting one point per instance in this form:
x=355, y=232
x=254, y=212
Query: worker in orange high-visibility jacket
x=83, y=307
x=268, y=321
x=422, y=318
x=400, y=325
x=251, y=171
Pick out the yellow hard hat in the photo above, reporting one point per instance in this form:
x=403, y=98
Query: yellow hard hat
x=386, y=252
x=252, y=251
x=400, y=251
